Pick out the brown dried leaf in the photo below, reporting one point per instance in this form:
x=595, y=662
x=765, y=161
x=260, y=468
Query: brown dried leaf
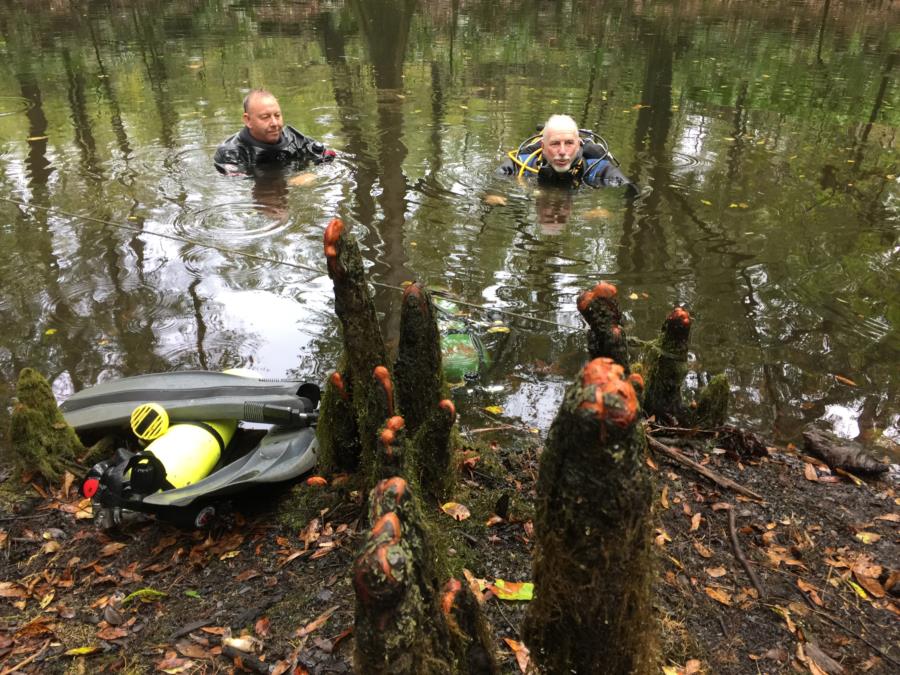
x=521, y=653
x=810, y=590
x=719, y=595
x=112, y=633
x=702, y=550
x=664, y=497
x=870, y=585
x=316, y=623
x=192, y=650
x=494, y=200
x=809, y=472
x=695, y=522
x=111, y=548
x=890, y=517
x=716, y=572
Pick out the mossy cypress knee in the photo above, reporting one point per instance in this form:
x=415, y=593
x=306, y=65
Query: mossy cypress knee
x=666, y=367
x=399, y=627
x=592, y=566
x=336, y=432
x=418, y=372
x=606, y=337
x=712, y=404
x=41, y=440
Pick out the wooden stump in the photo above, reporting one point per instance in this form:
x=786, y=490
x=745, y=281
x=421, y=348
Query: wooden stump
x=41, y=440
x=592, y=569
x=666, y=367
x=600, y=309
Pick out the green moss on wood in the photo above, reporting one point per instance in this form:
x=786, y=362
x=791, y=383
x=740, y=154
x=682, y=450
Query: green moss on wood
x=41, y=440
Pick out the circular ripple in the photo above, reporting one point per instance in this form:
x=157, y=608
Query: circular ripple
x=13, y=105
x=233, y=221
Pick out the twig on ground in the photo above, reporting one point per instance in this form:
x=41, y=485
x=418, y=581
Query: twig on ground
x=247, y=661
x=702, y=470
x=25, y=662
x=484, y=430
x=739, y=554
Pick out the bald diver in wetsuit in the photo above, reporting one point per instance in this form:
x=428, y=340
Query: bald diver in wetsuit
x=266, y=142
x=564, y=155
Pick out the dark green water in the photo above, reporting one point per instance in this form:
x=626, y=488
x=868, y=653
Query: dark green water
x=764, y=136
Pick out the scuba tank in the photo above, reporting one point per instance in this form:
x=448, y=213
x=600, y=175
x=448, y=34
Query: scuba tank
x=183, y=455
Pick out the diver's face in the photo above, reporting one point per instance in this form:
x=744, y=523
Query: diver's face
x=560, y=149
x=263, y=119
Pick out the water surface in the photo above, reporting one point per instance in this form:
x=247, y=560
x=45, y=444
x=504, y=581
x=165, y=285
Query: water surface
x=763, y=135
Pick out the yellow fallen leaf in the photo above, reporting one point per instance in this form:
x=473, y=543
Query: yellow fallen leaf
x=859, y=591
x=456, y=511
x=229, y=554
x=868, y=537
x=706, y=201
x=50, y=331
x=498, y=329
x=81, y=651
x=494, y=409
x=633, y=296
x=509, y=590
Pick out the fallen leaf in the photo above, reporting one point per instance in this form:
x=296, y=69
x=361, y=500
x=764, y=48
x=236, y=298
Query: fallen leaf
x=661, y=537
x=316, y=623
x=706, y=202
x=495, y=200
x=192, y=650
x=890, y=517
x=597, y=214
x=845, y=380
x=786, y=615
x=263, y=627
x=695, y=522
x=810, y=590
x=521, y=653
x=664, y=497
x=81, y=651
x=111, y=549
x=719, y=595
x=112, y=633
x=870, y=584
x=494, y=409
x=456, y=511
x=508, y=590
x=302, y=179
x=859, y=591
x=809, y=472
x=316, y=481
x=692, y=666
x=868, y=537
x=716, y=572
x=702, y=550
x=493, y=520
x=144, y=595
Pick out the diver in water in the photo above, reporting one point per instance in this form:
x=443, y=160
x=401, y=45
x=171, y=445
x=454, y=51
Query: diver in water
x=265, y=141
x=562, y=154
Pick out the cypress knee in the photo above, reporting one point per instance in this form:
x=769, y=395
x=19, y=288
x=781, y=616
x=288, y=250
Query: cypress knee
x=667, y=367
x=417, y=371
x=606, y=337
x=399, y=627
x=41, y=440
x=336, y=431
x=470, y=634
x=712, y=404
x=363, y=344
x=434, y=458
x=592, y=566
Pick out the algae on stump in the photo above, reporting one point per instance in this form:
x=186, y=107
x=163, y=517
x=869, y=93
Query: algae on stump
x=41, y=439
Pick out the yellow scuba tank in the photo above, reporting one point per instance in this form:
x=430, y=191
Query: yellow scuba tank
x=183, y=455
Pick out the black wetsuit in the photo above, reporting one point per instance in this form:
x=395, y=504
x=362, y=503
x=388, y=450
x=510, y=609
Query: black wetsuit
x=241, y=154
x=592, y=167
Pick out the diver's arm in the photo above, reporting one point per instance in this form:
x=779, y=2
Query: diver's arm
x=231, y=161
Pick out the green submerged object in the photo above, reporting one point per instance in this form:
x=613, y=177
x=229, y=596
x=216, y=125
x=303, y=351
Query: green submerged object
x=463, y=354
